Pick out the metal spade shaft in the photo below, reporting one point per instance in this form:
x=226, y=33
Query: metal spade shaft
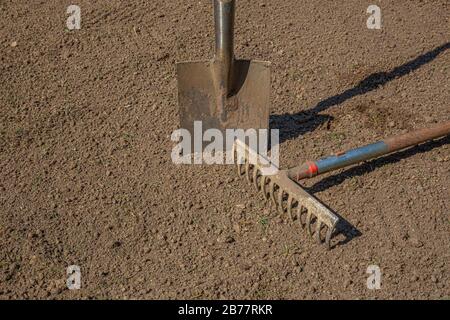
x=224, y=11
x=354, y=156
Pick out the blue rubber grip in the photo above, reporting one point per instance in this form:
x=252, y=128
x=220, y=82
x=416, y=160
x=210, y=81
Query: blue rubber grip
x=352, y=157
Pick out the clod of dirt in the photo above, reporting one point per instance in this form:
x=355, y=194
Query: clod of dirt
x=116, y=244
x=416, y=242
x=226, y=239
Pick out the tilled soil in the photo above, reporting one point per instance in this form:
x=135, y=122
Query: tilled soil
x=87, y=179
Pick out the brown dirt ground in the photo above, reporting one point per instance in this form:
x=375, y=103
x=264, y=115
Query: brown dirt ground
x=87, y=179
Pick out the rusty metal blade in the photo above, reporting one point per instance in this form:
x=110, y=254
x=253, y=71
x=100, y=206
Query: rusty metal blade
x=245, y=107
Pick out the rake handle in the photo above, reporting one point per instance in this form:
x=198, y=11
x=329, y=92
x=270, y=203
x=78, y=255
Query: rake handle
x=354, y=156
x=413, y=138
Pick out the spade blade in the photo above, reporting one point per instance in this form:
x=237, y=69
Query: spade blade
x=245, y=106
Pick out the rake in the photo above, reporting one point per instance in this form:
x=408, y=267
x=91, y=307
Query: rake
x=289, y=197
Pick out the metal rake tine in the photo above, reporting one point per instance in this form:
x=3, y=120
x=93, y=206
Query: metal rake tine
x=239, y=168
x=328, y=238
x=238, y=162
x=308, y=222
x=272, y=192
x=247, y=170
x=289, y=206
x=301, y=210
x=318, y=229
x=235, y=157
x=280, y=200
x=263, y=187
x=255, y=177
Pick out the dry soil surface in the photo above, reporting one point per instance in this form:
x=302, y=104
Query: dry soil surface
x=87, y=179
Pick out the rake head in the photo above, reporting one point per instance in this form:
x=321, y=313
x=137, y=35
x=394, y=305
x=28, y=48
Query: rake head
x=287, y=196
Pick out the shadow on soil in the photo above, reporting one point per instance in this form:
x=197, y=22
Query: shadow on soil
x=293, y=125
x=344, y=227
